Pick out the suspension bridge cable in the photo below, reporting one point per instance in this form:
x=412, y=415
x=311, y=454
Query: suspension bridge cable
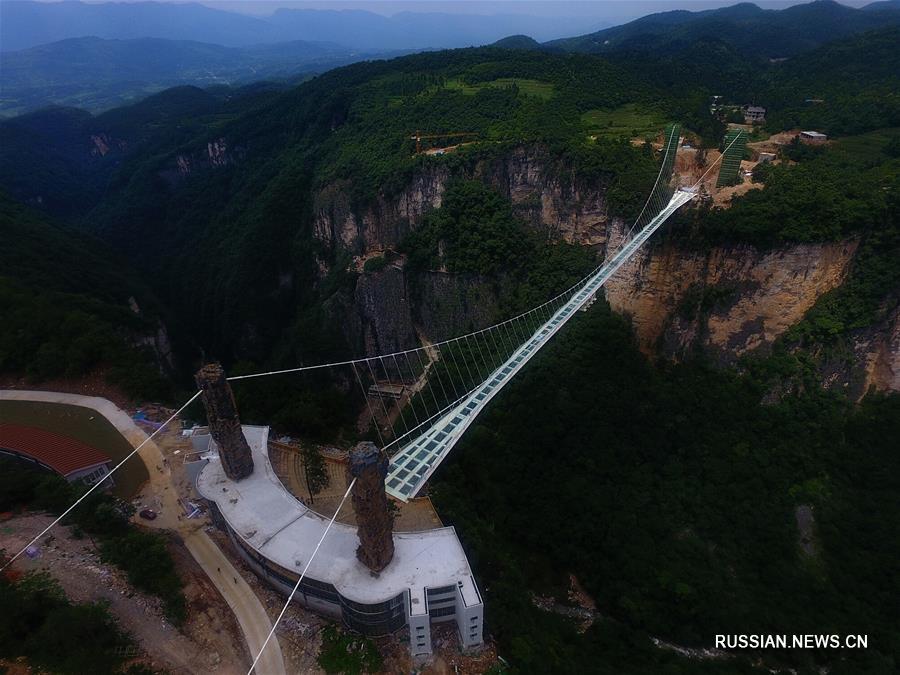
x=300, y=578
x=100, y=482
x=655, y=197
x=662, y=167
x=719, y=159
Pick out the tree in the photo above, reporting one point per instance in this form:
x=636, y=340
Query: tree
x=314, y=467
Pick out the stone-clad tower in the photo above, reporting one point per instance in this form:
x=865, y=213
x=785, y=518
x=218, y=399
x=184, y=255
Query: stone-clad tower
x=224, y=425
x=375, y=523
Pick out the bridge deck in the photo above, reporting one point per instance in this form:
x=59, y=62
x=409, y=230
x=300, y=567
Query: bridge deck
x=415, y=462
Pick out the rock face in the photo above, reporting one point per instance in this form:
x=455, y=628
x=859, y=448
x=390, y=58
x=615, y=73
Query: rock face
x=217, y=155
x=383, y=305
x=393, y=309
x=549, y=195
x=543, y=192
x=224, y=425
x=882, y=354
x=728, y=301
x=875, y=357
x=369, y=465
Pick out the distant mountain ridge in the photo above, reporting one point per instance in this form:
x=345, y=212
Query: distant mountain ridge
x=25, y=24
x=97, y=74
x=751, y=30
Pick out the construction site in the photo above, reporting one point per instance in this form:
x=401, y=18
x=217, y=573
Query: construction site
x=369, y=573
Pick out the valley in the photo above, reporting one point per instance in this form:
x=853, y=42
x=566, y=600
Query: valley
x=707, y=447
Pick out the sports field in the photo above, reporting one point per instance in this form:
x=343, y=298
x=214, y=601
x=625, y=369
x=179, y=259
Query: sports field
x=85, y=425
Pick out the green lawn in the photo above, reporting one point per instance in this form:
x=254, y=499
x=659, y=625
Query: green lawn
x=85, y=425
x=538, y=88
x=629, y=120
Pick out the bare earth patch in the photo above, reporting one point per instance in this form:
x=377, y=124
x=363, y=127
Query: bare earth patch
x=209, y=642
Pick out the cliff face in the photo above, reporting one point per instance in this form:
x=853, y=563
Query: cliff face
x=392, y=308
x=725, y=301
x=385, y=312
x=728, y=301
x=732, y=301
x=882, y=354
x=544, y=194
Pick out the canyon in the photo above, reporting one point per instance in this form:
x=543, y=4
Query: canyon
x=726, y=301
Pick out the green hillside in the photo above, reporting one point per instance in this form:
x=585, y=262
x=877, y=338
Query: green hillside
x=64, y=298
x=176, y=211
x=669, y=490
x=756, y=33
x=97, y=74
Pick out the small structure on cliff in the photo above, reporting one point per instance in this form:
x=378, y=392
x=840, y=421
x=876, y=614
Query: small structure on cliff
x=375, y=525
x=224, y=424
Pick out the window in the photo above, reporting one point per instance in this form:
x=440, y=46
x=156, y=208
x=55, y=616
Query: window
x=442, y=611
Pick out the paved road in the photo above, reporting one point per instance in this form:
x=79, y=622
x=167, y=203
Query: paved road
x=250, y=613
x=243, y=601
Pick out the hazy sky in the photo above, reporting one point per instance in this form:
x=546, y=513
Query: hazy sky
x=596, y=9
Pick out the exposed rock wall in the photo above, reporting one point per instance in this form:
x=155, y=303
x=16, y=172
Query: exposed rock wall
x=549, y=195
x=727, y=301
x=544, y=193
x=882, y=354
x=217, y=154
x=383, y=305
x=384, y=222
x=753, y=296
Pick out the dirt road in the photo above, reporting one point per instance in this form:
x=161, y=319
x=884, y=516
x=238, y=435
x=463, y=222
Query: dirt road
x=208, y=642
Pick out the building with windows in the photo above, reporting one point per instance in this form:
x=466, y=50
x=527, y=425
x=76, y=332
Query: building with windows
x=427, y=581
x=71, y=459
x=754, y=114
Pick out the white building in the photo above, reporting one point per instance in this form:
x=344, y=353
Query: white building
x=813, y=137
x=429, y=579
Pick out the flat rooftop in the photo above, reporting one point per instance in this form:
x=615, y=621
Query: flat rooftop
x=277, y=525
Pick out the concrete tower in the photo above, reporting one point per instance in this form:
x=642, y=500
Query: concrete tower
x=224, y=425
x=369, y=465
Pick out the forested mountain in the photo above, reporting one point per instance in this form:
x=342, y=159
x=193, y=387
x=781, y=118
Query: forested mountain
x=70, y=306
x=332, y=219
x=754, y=32
x=203, y=172
x=96, y=74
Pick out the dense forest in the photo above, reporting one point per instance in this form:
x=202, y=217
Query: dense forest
x=64, y=298
x=190, y=179
x=671, y=493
